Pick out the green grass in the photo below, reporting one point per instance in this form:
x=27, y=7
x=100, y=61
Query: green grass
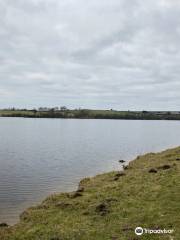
x=92, y=114
x=109, y=206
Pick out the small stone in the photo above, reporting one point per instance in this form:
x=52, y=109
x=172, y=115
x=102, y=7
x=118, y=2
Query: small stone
x=121, y=161
x=125, y=167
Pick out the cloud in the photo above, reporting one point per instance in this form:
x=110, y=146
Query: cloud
x=99, y=54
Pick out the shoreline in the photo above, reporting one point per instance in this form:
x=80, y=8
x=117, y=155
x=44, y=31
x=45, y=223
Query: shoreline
x=117, y=119
x=99, y=192
x=91, y=114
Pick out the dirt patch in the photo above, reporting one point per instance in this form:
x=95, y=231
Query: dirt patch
x=102, y=209
x=118, y=175
x=152, y=170
x=2, y=225
x=165, y=167
x=75, y=195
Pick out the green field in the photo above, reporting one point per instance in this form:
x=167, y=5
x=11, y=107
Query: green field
x=92, y=114
x=110, y=206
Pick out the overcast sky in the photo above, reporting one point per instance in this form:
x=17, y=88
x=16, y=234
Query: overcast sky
x=121, y=54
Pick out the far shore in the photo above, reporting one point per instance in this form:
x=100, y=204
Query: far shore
x=90, y=114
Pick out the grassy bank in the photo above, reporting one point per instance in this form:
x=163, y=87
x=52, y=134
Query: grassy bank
x=111, y=205
x=91, y=114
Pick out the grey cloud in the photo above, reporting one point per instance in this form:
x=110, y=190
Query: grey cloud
x=116, y=54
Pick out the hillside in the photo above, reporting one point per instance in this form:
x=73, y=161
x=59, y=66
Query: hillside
x=110, y=206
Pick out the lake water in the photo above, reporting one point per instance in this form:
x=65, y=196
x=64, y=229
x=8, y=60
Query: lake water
x=42, y=156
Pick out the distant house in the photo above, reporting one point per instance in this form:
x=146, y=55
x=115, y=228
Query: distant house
x=63, y=108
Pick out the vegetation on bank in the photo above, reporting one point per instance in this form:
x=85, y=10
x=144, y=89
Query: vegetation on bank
x=63, y=112
x=110, y=206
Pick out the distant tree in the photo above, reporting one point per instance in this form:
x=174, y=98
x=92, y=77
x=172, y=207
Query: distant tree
x=63, y=108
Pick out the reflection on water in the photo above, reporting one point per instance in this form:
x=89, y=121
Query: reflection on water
x=42, y=156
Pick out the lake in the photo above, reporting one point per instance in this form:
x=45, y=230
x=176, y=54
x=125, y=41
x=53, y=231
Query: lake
x=42, y=156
